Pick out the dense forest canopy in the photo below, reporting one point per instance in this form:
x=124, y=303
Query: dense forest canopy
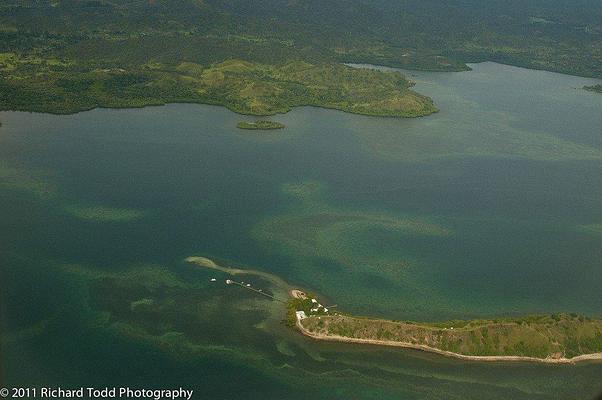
x=64, y=38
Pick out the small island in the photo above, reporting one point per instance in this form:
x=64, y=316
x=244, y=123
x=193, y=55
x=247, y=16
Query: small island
x=260, y=125
x=595, y=88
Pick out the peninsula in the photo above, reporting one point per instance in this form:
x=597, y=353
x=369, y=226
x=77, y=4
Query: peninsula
x=555, y=338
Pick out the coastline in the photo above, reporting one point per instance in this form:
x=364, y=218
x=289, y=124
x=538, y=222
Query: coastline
x=287, y=290
x=435, y=110
x=390, y=343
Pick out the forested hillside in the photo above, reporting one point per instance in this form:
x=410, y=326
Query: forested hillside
x=118, y=52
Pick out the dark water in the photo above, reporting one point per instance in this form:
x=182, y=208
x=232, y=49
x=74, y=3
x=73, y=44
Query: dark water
x=493, y=206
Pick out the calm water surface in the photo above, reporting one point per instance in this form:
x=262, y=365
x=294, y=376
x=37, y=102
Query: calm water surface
x=493, y=206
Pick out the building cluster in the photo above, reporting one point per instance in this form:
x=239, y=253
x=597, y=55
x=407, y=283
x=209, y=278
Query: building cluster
x=318, y=306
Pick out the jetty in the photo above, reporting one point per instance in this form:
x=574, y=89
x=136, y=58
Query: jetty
x=249, y=287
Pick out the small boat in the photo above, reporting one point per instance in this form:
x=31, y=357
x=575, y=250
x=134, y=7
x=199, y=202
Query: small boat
x=213, y=279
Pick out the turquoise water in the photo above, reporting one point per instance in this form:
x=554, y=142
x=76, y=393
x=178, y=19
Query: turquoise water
x=490, y=207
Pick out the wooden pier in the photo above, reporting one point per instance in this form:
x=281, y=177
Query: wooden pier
x=249, y=287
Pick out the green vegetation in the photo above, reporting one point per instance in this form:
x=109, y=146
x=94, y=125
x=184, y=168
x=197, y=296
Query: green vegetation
x=65, y=56
x=595, y=88
x=555, y=336
x=244, y=87
x=260, y=125
x=293, y=305
x=303, y=304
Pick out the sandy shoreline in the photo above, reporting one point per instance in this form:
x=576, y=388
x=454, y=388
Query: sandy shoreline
x=297, y=294
x=208, y=263
x=335, y=338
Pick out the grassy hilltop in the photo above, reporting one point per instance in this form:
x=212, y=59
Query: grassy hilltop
x=244, y=87
x=555, y=336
